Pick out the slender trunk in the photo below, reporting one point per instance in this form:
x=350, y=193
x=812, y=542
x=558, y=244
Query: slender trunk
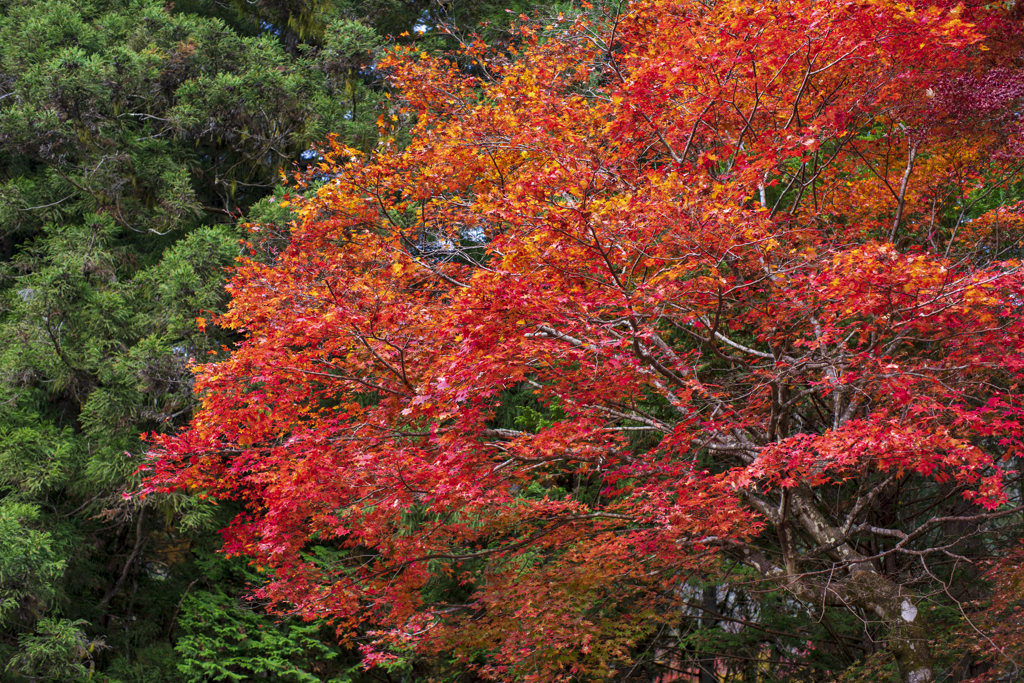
x=709, y=603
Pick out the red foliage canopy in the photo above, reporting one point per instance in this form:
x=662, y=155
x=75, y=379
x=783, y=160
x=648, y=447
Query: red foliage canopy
x=746, y=261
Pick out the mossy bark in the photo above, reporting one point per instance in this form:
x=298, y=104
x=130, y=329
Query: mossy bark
x=907, y=635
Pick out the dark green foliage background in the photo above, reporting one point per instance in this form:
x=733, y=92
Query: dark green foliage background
x=133, y=136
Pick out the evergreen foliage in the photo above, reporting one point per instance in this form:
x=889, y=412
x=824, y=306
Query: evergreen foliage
x=132, y=137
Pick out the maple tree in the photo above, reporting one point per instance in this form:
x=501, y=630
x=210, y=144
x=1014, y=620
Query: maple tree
x=753, y=269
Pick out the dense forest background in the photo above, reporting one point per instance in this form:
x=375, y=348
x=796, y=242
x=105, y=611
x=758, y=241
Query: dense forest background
x=136, y=137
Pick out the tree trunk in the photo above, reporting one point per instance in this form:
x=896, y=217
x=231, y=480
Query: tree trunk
x=907, y=636
x=863, y=586
x=709, y=603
